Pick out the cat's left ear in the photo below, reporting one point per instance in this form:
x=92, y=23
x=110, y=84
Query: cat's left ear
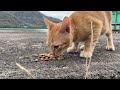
x=48, y=23
x=65, y=25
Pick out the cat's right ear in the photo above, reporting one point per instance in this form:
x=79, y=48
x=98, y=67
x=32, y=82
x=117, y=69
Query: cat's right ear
x=66, y=21
x=48, y=23
x=65, y=25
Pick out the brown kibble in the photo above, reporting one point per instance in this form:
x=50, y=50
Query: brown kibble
x=62, y=57
x=50, y=57
x=59, y=58
x=42, y=58
x=54, y=58
x=46, y=58
x=47, y=54
x=42, y=54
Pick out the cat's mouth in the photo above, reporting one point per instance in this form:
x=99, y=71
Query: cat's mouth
x=60, y=50
x=57, y=50
x=57, y=54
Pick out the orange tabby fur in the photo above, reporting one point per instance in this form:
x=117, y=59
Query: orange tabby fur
x=77, y=28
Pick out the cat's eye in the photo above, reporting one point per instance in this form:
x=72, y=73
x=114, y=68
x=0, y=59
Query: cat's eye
x=56, y=47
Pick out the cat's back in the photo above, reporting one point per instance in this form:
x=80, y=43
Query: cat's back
x=97, y=14
x=82, y=18
x=80, y=22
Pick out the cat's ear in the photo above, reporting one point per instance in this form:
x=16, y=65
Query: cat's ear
x=65, y=25
x=66, y=21
x=48, y=23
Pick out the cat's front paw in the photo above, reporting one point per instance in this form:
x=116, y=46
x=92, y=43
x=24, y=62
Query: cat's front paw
x=110, y=48
x=82, y=47
x=71, y=50
x=85, y=54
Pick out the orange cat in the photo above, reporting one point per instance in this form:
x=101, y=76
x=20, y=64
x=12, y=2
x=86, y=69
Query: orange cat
x=81, y=26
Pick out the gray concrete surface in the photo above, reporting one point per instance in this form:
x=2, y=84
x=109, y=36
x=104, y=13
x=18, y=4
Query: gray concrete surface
x=19, y=47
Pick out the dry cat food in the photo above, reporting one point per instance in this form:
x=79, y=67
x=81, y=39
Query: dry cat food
x=50, y=57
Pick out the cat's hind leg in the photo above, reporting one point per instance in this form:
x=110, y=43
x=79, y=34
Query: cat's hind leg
x=73, y=48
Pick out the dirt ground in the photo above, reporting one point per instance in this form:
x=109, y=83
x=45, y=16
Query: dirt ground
x=19, y=47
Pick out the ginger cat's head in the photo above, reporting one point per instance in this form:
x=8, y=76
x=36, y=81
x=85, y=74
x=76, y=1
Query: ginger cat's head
x=58, y=35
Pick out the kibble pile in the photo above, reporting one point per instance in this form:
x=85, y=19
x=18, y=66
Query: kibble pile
x=50, y=57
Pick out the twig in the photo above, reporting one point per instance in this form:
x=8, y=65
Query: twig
x=87, y=67
x=89, y=59
x=24, y=69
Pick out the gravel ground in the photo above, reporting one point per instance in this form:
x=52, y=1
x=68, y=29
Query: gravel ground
x=19, y=47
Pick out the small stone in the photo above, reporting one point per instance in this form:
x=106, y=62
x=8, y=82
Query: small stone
x=20, y=57
x=26, y=57
x=46, y=58
x=3, y=50
x=36, y=59
x=35, y=55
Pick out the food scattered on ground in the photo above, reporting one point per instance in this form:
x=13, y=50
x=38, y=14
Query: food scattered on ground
x=44, y=57
x=47, y=57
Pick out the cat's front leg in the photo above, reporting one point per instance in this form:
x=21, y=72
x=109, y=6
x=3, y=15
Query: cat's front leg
x=82, y=47
x=73, y=48
x=90, y=43
x=87, y=49
x=87, y=52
